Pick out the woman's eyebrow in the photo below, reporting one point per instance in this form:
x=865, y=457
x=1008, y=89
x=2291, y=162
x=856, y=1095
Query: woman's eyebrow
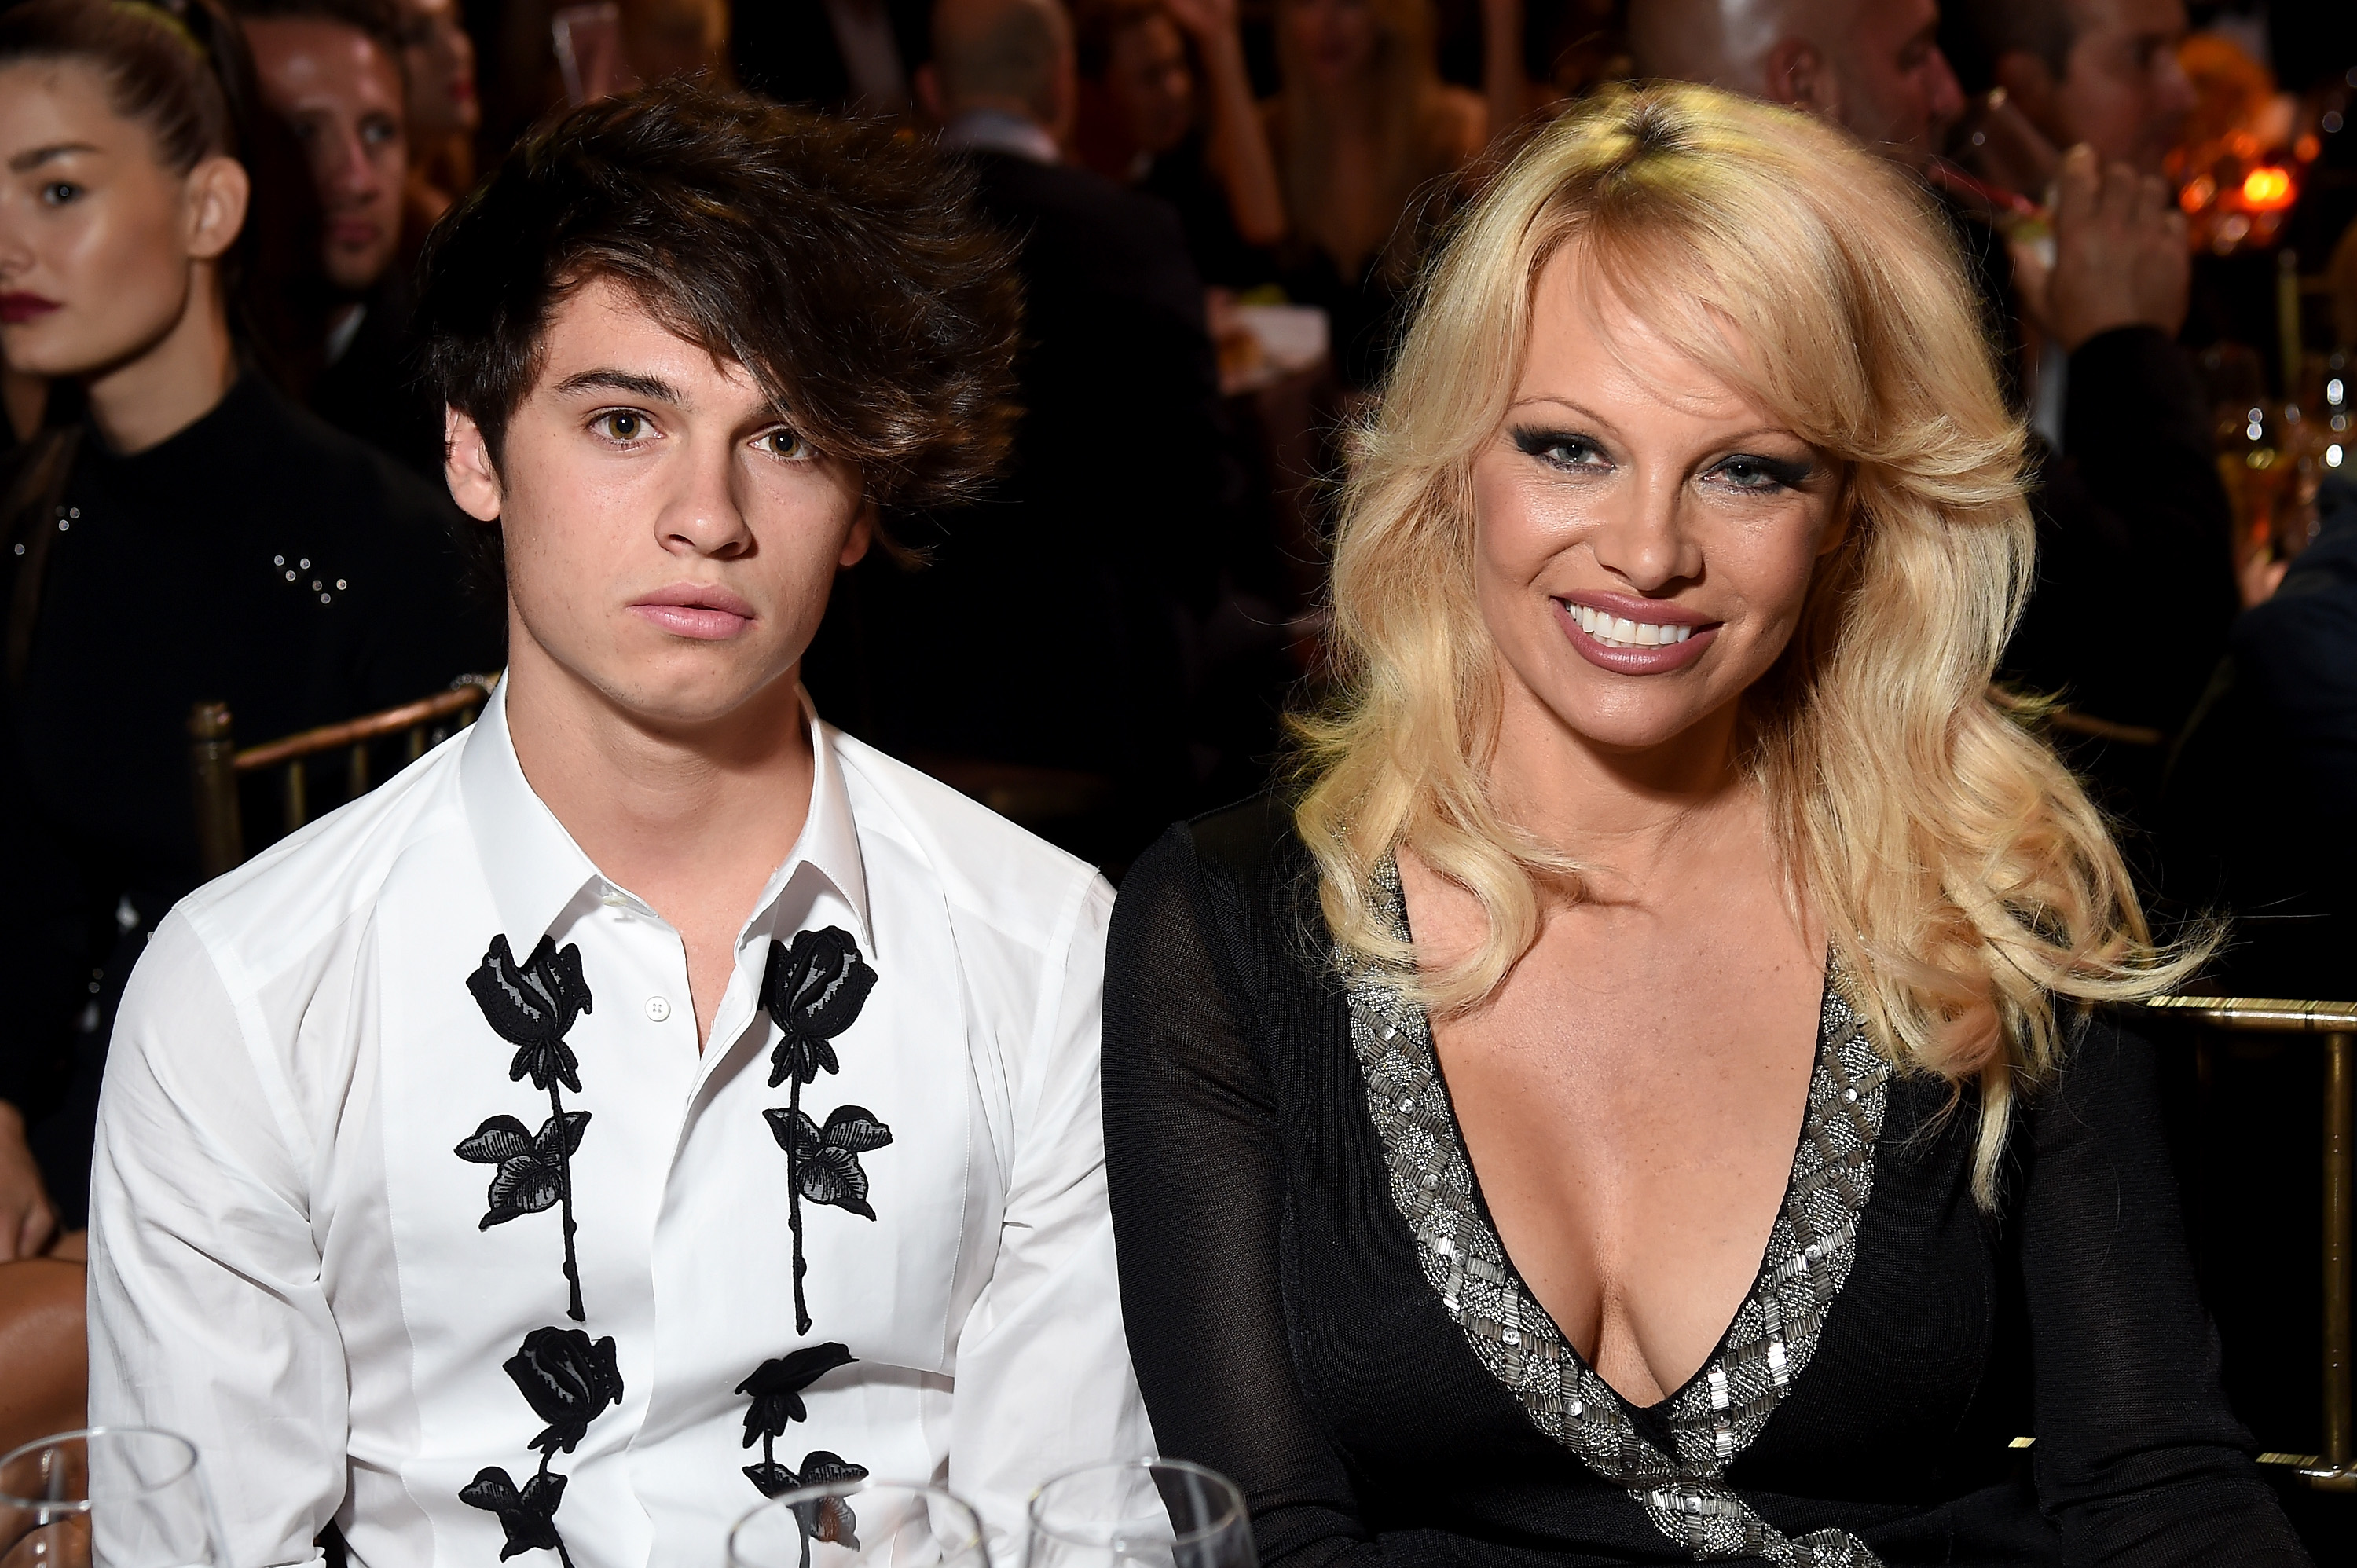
x=34, y=157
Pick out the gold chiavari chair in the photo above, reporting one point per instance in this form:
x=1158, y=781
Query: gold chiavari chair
x=2330, y=1027
x=218, y=765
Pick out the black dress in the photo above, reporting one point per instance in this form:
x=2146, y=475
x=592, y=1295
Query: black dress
x=1318, y=1305
x=257, y=557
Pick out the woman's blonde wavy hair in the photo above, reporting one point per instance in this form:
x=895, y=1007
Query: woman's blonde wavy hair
x=1966, y=883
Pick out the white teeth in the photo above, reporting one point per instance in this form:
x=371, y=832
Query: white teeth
x=1620, y=631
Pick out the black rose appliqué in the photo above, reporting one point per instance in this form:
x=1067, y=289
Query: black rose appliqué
x=532, y=1006
x=776, y=1389
x=567, y=1376
x=813, y=991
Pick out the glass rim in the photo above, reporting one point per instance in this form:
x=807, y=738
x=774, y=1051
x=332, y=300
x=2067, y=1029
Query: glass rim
x=853, y=1488
x=1235, y=1509
x=81, y=1505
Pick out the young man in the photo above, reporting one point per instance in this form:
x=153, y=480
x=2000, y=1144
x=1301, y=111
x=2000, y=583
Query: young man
x=653, y=1099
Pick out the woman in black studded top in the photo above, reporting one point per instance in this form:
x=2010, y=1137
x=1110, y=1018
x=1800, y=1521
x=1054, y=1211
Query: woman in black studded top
x=1635, y=1100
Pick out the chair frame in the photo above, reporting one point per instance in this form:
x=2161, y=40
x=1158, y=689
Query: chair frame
x=2334, y=1470
x=218, y=762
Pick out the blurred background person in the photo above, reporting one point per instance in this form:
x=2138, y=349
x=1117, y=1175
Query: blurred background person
x=445, y=112
x=330, y=73
x=1167, y=108
x=848, y=56
x=193, y=537
x=2101, y=72
x=1367, y=139
x=1045, y=646
x=1873, y=67
x=664, y=38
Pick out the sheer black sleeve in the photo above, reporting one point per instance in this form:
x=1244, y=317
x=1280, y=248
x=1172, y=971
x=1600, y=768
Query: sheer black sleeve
x=2138, y=1458
x=1193, y=1169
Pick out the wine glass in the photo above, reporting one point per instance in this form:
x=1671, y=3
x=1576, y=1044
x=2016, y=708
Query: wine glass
x=857, y=1523
x=1153, y=1513
x=109, y=1496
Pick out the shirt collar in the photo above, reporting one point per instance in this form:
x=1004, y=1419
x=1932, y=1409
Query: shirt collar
x=997, y=131
x=536, y=870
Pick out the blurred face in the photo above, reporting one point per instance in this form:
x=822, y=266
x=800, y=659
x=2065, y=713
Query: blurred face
x=1644, y=534
x=1897, y=92
x=440, y=60
x=1336, y=38
x=670, y=541
x=1150, y=83
x=341, y=96
x=99, y=241
x=2125, y=94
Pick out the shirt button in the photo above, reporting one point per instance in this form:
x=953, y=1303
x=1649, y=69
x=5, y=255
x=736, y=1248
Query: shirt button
x=658, y=1009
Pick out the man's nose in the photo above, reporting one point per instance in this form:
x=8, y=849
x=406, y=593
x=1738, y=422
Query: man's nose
x=705, y=515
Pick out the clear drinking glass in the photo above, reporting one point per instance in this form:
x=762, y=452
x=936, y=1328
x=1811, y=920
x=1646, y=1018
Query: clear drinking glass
x=1153, y=1513
x=111, y=1496
x=857, y=1524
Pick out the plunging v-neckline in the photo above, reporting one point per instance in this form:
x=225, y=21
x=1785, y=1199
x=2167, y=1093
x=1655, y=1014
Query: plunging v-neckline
x=1671, y=1456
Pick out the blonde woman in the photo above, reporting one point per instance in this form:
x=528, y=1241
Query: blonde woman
x=1360, y=126
x=1664, y=828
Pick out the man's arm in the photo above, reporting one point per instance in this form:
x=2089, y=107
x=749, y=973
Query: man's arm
x=1043, y=1377
x=206, y=1314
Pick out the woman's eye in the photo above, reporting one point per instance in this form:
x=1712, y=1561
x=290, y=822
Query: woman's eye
x=1563, y=451
x=57, y=192
x=1765, y=474
x=620, y=424
x=786, y=444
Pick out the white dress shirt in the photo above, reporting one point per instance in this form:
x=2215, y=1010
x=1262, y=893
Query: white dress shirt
x=293, y=1264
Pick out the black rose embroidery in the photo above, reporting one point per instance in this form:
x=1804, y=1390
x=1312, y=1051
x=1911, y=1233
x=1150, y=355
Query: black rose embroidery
x=531, y=1166
x=528, y=1513
x=813, y=991
x=567, y=1380
x=532, y=1006
x=828, y=1519
x=825, y=1160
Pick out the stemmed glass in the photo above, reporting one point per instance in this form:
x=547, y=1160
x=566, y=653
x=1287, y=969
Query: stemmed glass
x=1153, y=1513
x=110, y=1497
x=857, y=1524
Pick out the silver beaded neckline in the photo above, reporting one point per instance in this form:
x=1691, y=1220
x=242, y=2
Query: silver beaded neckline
x=1723, y=1408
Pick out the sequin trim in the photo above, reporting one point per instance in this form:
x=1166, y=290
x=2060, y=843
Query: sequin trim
x=1775, y=1332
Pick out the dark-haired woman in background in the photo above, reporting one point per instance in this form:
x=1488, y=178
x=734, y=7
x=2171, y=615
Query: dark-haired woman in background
x=194, y=538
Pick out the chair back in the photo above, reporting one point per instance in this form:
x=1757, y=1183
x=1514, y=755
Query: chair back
x=218, y=765
x=2330, y=1029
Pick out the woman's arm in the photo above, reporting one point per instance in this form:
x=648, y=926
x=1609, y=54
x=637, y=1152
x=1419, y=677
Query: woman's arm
x=1193, y=1167
x=1237, y=145
x=2139, y=1459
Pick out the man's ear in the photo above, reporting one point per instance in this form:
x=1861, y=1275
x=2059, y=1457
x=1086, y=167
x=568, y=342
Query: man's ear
x=218, y=189
x=467, y=466
x=928, y=83
x=861, y=535
x=1797, y=75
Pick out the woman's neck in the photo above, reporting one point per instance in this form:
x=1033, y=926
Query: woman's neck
x=175, y=381
x=1627, y=814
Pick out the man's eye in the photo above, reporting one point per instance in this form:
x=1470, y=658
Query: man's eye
x=57, y=192
x=787, y=443
x=620, y=424
x=377, y=133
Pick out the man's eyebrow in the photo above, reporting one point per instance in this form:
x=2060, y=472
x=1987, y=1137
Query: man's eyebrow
x=637, y=383
x=36, y=157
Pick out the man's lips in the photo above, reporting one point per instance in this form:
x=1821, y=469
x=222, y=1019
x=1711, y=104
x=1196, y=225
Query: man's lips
x=16, y=308
x=698, y=610
x=354, y=233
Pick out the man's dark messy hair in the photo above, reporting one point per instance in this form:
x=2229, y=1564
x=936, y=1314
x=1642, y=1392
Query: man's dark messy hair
x=844, y=266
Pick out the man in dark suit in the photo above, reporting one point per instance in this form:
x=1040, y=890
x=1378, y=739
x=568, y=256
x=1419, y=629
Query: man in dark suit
x=1054, y=627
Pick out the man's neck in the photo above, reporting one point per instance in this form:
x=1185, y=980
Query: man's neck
x=692, y=820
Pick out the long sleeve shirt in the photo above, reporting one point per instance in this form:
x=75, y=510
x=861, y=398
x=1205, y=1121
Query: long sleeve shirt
x=416, y=1207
